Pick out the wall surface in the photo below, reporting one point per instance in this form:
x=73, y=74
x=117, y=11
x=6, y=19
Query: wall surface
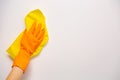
x=84, y=39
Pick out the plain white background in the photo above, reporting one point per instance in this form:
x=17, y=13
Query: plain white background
x=84, y=39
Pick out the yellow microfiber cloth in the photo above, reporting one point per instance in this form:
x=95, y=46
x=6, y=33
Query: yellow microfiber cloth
x=33, y=16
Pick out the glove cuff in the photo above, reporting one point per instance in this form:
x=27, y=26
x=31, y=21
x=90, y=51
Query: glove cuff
x=22, y=60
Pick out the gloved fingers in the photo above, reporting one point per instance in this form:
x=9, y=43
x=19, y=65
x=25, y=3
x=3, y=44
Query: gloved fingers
x=41, y=34
x=32, y=29
x=37, y=30
x=41, y=39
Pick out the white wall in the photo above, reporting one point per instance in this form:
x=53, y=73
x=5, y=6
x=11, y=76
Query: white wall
x=84, y=39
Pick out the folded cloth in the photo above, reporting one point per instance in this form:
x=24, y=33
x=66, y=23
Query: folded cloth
x=34, y=16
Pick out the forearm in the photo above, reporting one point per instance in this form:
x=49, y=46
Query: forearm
x=19, y=65
x=15, y=74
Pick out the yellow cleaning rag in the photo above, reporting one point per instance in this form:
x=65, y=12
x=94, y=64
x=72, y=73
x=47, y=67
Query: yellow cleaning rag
x=33, y=16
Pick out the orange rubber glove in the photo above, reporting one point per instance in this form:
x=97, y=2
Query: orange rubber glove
x=29, y=43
